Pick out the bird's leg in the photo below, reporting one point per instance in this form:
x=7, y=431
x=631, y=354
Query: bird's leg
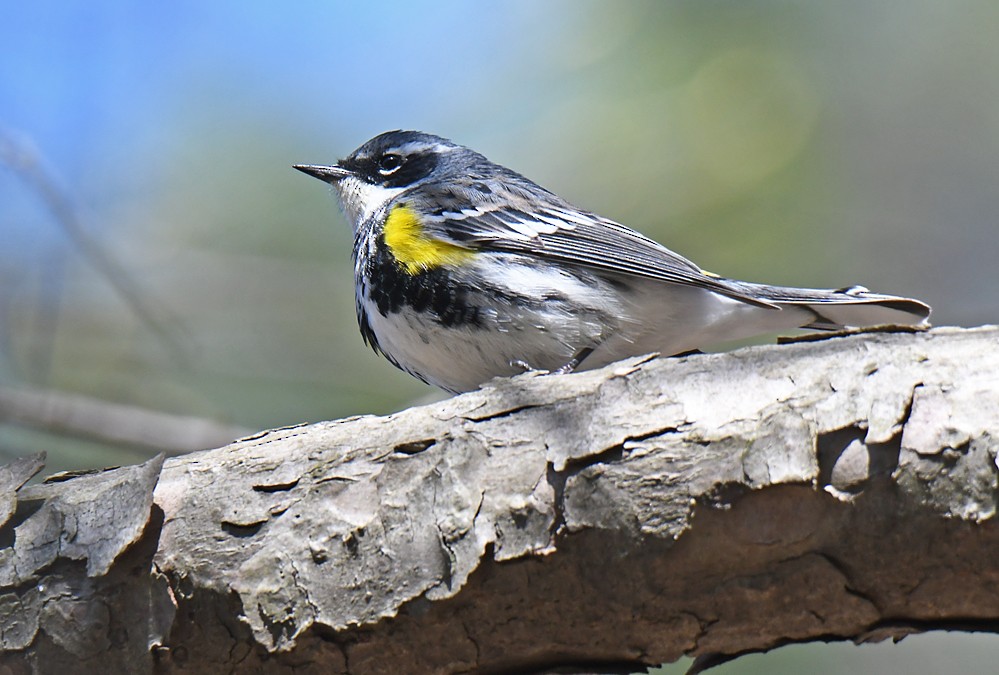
x=563, y=370
x=524, y=366
x=574, y=361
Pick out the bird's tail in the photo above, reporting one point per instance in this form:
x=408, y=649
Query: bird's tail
x=853, y=306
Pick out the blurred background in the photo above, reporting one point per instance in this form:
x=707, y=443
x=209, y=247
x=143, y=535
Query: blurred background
x=165, y=274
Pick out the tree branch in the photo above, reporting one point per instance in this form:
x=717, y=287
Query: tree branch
x=130, y=426
x=613, y=519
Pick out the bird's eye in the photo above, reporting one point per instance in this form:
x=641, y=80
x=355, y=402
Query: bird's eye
x=389, y=164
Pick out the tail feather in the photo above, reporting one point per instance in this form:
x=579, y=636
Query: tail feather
x=853, y=306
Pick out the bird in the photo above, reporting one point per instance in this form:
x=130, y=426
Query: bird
x=466, y=270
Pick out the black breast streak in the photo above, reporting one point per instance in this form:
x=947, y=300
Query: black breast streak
x=367, y=332
x=432, y=291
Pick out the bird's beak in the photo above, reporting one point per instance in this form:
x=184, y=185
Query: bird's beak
x=327, y=174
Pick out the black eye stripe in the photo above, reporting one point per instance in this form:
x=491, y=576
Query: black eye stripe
x=413, y=167
x=392, y=168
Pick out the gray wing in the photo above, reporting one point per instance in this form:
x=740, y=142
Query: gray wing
x=517, y=222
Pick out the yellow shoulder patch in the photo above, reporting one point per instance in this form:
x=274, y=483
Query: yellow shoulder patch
x=413, y=249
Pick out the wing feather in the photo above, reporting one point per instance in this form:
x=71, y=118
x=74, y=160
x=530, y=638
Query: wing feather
x=561, y=233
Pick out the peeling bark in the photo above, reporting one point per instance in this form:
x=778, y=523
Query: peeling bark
x=711, y=505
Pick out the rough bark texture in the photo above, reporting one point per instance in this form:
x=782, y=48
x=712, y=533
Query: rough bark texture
x=715, y=504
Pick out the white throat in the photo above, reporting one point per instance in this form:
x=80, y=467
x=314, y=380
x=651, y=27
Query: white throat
x=360, y=200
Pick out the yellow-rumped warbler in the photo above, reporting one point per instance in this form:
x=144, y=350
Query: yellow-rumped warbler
x=465, y=270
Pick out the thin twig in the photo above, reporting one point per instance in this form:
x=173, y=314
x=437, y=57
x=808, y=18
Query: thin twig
x=26, y=161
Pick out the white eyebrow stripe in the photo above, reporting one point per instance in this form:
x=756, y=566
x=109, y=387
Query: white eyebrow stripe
x=421, y=146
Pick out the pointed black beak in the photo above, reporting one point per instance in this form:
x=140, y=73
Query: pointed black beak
x=327, y=174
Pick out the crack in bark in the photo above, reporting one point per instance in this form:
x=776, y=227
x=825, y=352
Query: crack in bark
x=556, y=479
x=304, y=589
x=242, y=531
x=655, y=433
x=414, y=447
x=506, y=412
x=475, y=643
x=449, y=558
x=275, y=487
x=848, y=584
